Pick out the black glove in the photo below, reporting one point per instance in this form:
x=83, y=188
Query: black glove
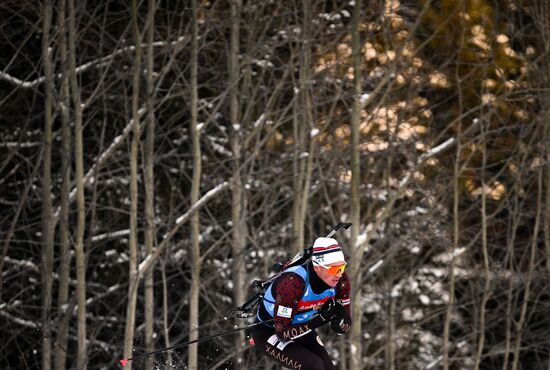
x=340, y=325
x=331, y=309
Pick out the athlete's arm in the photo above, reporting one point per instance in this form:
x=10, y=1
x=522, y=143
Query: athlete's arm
x=342, y=324
x=288, y=289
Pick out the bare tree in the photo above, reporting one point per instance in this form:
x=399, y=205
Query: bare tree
x=486, y=266
x=47, y=229
x=82, y=355
x=64, y=232
x=356, y=356
x=134, y=148
x=150, y=182
x=530, y=270
x=238, y=205
x=304, y=139
x=195, y=194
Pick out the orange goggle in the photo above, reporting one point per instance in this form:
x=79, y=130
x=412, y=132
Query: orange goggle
x=335, y=270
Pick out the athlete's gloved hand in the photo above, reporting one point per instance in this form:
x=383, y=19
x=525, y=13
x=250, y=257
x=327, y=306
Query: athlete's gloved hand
x=340, y=325
x=331, y=309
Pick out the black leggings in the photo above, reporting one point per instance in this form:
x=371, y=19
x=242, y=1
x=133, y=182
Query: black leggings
x=305, y=353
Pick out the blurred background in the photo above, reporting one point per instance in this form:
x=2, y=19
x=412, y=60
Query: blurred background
x=158, y=156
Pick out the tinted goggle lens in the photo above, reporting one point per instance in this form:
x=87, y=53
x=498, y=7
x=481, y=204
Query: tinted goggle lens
x=335, y=270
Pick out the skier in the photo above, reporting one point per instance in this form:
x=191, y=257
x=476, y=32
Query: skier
x=300, y=300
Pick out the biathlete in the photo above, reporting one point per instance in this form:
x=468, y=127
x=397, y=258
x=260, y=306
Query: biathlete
x=300, y=300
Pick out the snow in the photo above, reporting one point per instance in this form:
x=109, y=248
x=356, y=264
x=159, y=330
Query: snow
x=411, y=315
x=122, y=258
x=19, y=144
x=206, y=197
x=424, y=299
x=108, y=235
x=263, y=63
x=260, y=121
x=437, y=149
x=433, y=364
x=375, y=267
x=330, y=17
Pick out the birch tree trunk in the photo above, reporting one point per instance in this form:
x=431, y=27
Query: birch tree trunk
x=195, y=193
x=546, y=225
x=485, y=297
x=134, y=147
x=299, y=169
x=307, y=115
x=390, y=331
x=456, y=230
x=47, y=229
x=82, y=358
x=302, y=119
x=149, y=184
x=238, y=209
x=542, y=17
x=64, y=251
x=166, y=331
x=356, y=355
x=515, y=216
x=533, y=251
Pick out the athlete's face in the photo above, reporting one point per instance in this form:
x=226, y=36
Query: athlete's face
x=329, y=279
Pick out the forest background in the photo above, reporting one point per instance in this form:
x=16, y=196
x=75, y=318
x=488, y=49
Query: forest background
x=158, y=156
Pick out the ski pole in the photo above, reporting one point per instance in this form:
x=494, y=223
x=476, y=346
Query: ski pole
x=124, y=361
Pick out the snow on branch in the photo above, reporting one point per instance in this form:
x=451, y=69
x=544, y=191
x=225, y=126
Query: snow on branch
x=147, y=263
x=89, y=176
x=37, y=325
x=381, y=216
x=20, y=145
x=19, y=321
x=110, y=234
x=436, y=150
x=86, y=66
x=205, y=198
x=430, y=153
x=29, y=265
